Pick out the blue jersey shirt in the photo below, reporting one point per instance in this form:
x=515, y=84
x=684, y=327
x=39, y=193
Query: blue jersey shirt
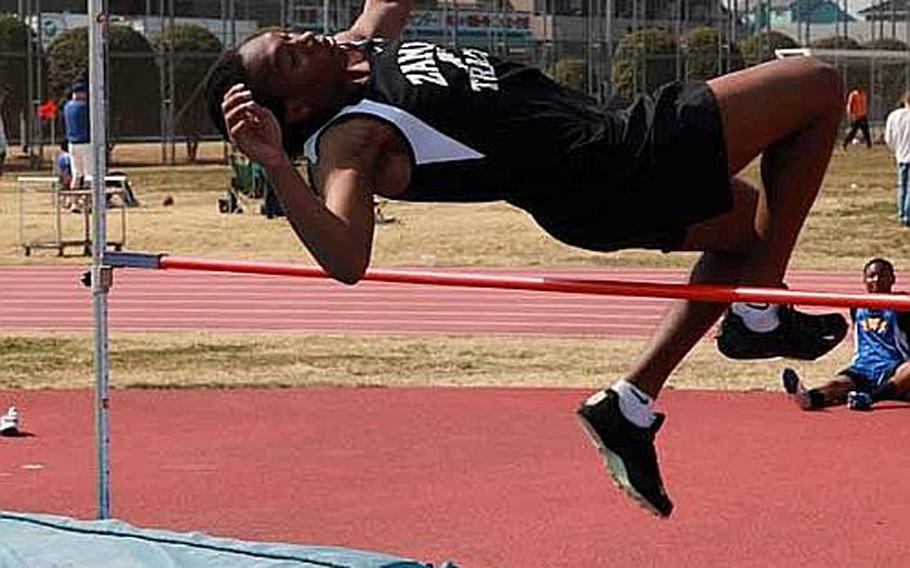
x=880, y=341
x=64, y=164
x=75, y=117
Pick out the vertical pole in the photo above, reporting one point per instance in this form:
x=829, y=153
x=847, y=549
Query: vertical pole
x=97, y=16
x=455, y=24
x=20, y=221
x=907, y=41
x=846, y=35
x=31, y=107
x=325, y=17
x=490, y=39
x=589, y=48
x=639, y=42
x=761, y=29
x=232, y=18
x=678, y=26
x=608, y=49
x=719, y=67
x=643, y=25
x=224, y=34
x=881, y=19
x=58, y=222
x=171, y=86
x=39, y=80
x=161, y=56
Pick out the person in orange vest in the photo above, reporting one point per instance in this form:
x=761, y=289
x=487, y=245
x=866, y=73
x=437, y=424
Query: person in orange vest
x=858, y=113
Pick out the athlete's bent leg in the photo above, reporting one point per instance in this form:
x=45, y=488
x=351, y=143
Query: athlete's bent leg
x=898, y=386
x=832, y=393
x=788, y=111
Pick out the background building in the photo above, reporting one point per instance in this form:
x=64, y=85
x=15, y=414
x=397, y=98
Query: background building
x=163, y=49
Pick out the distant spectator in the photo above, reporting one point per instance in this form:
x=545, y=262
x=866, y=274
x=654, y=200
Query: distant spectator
x=880, y=368
x=4, y=143
x=63, y=171
x=63, y=168
x=858, y=113
x=897, y=137
x=76, y=120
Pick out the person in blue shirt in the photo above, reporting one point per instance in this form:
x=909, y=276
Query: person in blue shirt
x=880, y=368
x=76, y=122
x=4, y=142
x=63, y=168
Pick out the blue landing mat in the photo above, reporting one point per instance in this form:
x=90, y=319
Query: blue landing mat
x=43, y=541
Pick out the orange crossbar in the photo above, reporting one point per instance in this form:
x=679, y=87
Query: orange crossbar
x=700, y=292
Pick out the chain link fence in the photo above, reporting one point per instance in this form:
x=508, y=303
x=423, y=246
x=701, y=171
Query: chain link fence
x=161, y=51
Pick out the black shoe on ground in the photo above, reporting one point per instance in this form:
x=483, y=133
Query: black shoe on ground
x=628, y=451
x=859, y=400
x=798, y=336
x=796, y=390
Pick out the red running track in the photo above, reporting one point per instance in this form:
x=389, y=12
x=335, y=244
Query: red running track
x=485, y=477
x=51, y=298
x=490, y=478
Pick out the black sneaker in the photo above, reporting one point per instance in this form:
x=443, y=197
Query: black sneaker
x=799, y=336
x=859, y=400
x=796, y=390
x=628, y=451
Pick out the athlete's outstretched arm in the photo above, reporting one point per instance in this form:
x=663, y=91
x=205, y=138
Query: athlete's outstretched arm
x=338, y=231
x=379, y=18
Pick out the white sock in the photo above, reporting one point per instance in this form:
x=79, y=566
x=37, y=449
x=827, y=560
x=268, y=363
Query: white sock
x=757, y=317
x=636, y=406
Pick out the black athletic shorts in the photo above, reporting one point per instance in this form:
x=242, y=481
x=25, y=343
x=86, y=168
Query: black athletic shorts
x=667, y=172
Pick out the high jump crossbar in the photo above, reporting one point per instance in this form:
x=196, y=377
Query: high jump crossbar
x=699, y=292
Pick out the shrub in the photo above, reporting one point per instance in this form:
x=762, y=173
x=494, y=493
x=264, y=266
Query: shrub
x=13, y=70
x=571, y=72
x=644, y=60
x=890, y=75
x=758, y=48
x=195, y=49
x=133, y=77
x=886, y=43
x=836, y=42
x=704, y=58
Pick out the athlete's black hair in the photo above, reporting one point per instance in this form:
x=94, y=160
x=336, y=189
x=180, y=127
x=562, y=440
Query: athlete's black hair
x=227, y=71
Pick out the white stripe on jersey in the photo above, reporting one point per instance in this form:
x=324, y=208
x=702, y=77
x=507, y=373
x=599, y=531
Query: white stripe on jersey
x=427, y=144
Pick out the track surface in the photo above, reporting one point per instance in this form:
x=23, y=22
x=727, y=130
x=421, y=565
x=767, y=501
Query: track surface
x=46, y=298
x=485, y=477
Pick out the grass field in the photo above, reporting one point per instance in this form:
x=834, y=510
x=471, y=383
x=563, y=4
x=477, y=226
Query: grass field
x=852, y=221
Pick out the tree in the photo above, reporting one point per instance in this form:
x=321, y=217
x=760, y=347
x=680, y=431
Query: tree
x=890, y=75
x=855, y=72
x=758, y=48
x=13, y=70
x=886, y=43
x=705, y=57
x=644, y=60
x=133, y=77
x=195, y=50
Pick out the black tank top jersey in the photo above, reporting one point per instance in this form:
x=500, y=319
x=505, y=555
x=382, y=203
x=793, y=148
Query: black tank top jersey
x=480, y=128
